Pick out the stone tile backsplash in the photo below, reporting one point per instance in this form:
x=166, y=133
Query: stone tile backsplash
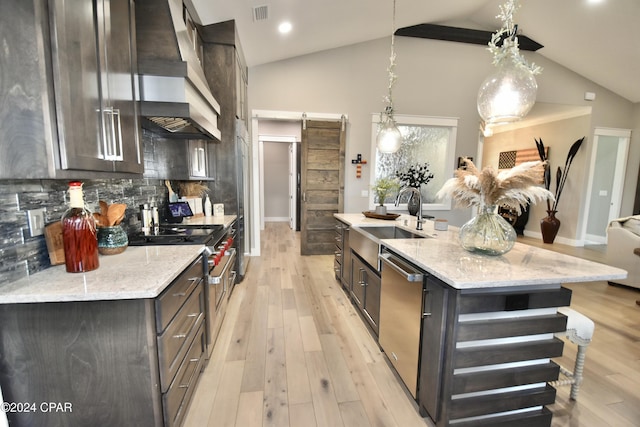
x=21, y=254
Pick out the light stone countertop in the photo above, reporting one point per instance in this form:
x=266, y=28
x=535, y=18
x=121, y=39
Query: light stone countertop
x=138, y=272
x=525, y=265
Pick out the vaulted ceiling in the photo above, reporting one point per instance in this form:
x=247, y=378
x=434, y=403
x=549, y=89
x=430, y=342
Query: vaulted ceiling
x=600, y=41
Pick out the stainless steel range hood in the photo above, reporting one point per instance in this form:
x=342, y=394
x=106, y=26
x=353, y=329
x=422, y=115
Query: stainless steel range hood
x=176, y=100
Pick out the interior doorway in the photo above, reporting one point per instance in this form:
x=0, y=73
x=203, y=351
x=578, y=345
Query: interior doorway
x=606, y=181
x=279, y=186
x=269, y=125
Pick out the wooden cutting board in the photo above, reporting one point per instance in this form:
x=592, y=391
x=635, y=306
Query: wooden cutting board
x=55, y=246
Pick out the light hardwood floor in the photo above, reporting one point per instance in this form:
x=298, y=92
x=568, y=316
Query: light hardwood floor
x=293, y=352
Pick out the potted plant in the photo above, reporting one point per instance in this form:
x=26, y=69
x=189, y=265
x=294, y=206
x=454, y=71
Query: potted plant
x=414, y=176
x=382, y=188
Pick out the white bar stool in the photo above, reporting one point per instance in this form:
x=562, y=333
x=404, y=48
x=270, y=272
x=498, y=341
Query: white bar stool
x=579, y=331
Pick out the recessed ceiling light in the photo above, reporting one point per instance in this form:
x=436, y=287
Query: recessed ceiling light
x=595, y=1
x=285, y=27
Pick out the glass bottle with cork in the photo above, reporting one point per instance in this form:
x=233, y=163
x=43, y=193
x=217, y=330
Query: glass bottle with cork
x=79, y=233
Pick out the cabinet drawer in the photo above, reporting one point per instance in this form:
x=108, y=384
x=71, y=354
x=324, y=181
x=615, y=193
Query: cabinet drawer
x=170, y=301
x=174, y=342
x=176, y=399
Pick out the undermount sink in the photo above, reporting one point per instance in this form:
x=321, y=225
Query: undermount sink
x=391, y=233
x=365, y=241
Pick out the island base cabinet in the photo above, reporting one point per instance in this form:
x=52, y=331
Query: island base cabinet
x=496, y=363
x=434, y=312
x=365, y=291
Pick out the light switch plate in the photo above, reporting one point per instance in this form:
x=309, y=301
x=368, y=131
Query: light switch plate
x=35, y=218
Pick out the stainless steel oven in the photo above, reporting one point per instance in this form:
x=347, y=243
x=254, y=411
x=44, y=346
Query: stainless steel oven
x=219, y=270
x=221, y=278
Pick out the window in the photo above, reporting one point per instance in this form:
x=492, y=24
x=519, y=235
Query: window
x=429, y=140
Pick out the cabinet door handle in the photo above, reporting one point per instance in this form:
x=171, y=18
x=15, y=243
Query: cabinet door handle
x=190, y=376
x=117, y=136
x=362, y=282
x=112, y=134
x=426, y=302
x=201, y=161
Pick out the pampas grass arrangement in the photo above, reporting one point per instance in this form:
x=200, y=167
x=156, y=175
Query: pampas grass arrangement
x=514, y=188
x=488, y=233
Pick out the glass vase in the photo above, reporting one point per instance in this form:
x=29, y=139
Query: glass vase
x=413, y=204
x=487, y=233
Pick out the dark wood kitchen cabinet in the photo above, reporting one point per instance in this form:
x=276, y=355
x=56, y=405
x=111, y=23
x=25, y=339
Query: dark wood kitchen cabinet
x=477, y=364
x=365, y=291
x=112, y=363
x=342, y=256
x=71, y=107
x=226, y=74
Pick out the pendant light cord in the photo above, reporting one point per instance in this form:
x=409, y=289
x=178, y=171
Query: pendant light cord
x=392, y=64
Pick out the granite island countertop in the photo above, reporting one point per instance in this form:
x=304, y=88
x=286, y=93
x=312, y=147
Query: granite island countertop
x=524, y=266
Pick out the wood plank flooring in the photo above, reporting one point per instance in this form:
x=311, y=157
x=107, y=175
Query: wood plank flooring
x=293, y=352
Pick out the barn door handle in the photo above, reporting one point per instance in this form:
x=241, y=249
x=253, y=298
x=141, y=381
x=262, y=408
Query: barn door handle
x=304, y=196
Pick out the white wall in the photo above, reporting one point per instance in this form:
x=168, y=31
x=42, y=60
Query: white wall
x=435, y=78
x=276, y=181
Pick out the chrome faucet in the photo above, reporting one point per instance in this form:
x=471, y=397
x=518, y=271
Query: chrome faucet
x=415, y=191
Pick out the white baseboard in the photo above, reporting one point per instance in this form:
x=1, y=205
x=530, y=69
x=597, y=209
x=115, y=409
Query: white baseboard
x=594, y=239
x=276, y=219
x=561, y=240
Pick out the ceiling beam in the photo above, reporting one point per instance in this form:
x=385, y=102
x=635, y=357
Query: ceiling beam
x=461, y=35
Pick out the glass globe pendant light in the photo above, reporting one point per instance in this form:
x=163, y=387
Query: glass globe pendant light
x=389, y=138
x=509, y=93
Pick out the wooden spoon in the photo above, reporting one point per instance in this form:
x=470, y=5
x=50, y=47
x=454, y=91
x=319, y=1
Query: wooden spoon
x=104, y=208
x=100, y=220
x=115, y=213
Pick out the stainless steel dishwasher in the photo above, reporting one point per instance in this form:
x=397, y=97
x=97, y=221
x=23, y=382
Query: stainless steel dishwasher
x=401, y=314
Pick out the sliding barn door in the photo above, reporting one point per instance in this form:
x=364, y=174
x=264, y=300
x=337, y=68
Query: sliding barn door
x=322, y=185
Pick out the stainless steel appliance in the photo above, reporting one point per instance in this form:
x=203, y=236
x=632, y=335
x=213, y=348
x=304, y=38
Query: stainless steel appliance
x=401, y=312
x=219, y=269
x=243, y=236
x=176, y=100
x=221, y=278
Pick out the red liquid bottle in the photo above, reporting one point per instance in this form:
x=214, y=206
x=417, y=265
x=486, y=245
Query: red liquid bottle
x=79, y=233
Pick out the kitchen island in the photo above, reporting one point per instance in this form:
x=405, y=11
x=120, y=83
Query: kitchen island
x=483, y=326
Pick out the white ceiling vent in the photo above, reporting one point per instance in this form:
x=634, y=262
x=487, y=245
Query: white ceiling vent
x=260, y=13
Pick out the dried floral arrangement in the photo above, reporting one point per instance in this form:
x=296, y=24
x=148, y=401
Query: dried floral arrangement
x=514, y=188
x=415, y=175
x=504, y=42
x=192, y=189
x=561, y=175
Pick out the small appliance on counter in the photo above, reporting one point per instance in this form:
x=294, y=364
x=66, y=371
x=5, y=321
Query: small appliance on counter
x=177, y=211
